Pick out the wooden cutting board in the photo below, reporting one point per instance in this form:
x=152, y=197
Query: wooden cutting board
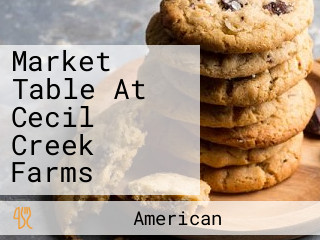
x=302, y=186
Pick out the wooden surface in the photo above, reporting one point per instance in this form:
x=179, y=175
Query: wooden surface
x=304, y=185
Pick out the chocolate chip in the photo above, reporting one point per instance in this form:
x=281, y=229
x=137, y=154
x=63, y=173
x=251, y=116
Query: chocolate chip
x=269, y=59
x=278, y=7
x=233, y=5
x=193, y=6
x=314, y=124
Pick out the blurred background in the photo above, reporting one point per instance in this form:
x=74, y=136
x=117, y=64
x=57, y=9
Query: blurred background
x=87, y=22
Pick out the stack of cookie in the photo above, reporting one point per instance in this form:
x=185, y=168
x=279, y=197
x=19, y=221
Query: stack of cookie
x=255, y=102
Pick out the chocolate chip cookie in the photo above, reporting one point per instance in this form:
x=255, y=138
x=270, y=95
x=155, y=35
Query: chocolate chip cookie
x=178, y=106
x=258, y=88
x=255, y=176
x=236, y=26
x=290, y=119
x=227, y=66
x=219, y=156
x=229, y=117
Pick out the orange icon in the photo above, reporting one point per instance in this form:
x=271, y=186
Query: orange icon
x=24, y=214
